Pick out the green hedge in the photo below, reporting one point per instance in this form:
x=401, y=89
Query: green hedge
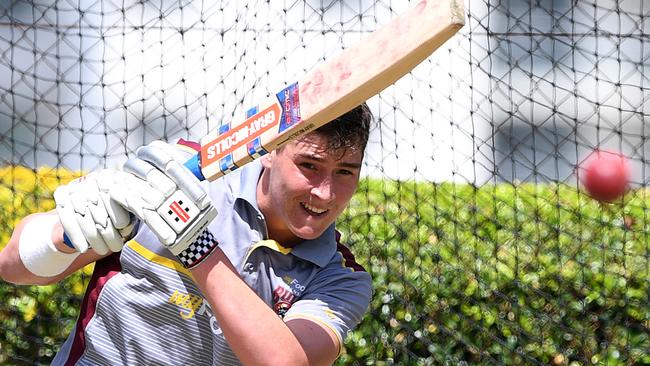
x=34, y=320
x=501, y=274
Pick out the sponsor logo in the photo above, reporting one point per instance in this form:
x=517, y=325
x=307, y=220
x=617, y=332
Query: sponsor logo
x=281, y=308
x=181, y=214
x=294, y=284
x=240, y=135
x=188, y=303
x=194, y=305
x=283, y=294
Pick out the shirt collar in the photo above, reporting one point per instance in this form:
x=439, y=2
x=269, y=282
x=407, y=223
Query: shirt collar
x=319, y=250
x=250, y=175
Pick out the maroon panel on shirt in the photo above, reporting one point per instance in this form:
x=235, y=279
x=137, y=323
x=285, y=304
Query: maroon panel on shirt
x=350, y=261
x=105, y=268
x=191, y=144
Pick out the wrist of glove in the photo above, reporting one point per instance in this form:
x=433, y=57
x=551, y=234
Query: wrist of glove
x=169, y=199
x=90, y=218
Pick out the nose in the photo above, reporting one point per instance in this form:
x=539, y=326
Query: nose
x=324, y=189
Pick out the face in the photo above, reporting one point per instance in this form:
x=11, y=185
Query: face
x=304, y=188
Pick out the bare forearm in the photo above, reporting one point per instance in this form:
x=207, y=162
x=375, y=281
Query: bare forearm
x=255, y=333
x=12, y=268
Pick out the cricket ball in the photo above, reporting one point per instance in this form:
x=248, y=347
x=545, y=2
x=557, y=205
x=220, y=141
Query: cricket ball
x=605, y=175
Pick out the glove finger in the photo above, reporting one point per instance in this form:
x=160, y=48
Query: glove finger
x=114, y=241
x=149, y=173
x=130, y=193
x=164, y=161
x=67, y=216
x=171, y=150
x=162, y=230
x=138, y=167
x=119, y=216
x=104, y=225
x=161, y=156
x=157, y=157
x=188, y=183
x=159, y=181
x=99, y=214
x=91, y=232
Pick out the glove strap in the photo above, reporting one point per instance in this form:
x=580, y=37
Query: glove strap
x=199, y=250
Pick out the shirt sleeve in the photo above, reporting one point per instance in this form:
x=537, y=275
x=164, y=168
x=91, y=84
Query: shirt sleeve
x=338, y=299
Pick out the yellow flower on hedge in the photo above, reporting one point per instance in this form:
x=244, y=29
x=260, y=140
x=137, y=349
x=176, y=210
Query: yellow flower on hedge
x=18, y=177
x=6, y=195
x=78, y=288
x=30, y=311
x=50, y=178
x=24, y=191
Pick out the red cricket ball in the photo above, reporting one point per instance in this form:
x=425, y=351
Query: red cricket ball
x=605, y=175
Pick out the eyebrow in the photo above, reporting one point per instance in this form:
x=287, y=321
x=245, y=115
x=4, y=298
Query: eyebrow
x=342, y=164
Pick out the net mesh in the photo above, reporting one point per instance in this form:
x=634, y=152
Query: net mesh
x=470, y=218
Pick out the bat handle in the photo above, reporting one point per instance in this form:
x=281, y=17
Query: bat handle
x=67, y=241
x=193, y=164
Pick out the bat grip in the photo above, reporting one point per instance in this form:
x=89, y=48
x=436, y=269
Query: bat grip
x=193, y=164
x=67, y=241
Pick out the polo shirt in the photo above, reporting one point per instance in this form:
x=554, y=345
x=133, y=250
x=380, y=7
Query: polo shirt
x=142, y=307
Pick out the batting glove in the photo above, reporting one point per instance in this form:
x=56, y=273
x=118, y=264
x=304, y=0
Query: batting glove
x=167, y=197
x=90, y=218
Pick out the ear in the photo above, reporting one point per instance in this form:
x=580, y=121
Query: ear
x=267, y=160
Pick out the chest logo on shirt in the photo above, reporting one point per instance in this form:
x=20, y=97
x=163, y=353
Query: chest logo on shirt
x=285, y=295
x=192, y=305
x=188, y=303
x=281, y=308
x=296, y=286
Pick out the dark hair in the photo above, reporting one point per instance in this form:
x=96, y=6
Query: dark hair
x=349, y=131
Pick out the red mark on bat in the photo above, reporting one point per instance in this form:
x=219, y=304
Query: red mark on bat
x=344, y=71
x=318, y=78
x=313, y=88
x=401, y=27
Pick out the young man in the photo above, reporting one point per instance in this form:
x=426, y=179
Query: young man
x=256, y=276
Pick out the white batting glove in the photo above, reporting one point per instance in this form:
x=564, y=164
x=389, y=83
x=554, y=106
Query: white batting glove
x=90, y=218
x=167, y=197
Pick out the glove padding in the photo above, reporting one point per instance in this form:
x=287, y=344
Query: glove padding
x=165, y=195
x=90, y=218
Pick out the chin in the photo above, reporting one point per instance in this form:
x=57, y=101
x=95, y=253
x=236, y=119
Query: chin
x=308, y=234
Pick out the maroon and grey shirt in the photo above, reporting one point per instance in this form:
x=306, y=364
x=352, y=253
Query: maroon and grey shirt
x=142, y=307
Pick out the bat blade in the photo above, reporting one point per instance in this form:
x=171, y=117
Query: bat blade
x=332, y=88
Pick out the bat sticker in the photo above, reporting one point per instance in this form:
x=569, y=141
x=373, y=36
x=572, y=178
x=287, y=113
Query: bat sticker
x=290, y=101
x=240, y=135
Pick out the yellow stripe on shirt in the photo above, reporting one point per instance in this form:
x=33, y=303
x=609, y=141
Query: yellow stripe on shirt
x=158, y=259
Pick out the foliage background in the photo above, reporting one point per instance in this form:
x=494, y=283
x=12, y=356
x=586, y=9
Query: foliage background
x=501, y=274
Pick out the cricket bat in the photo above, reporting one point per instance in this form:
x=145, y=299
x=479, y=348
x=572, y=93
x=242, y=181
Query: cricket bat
x=327, y=91
x=330, y=89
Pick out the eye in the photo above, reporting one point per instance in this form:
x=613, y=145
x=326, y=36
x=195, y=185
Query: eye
x=345, y=172
x=308, y=166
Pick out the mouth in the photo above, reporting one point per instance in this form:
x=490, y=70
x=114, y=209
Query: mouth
x=313, y=210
